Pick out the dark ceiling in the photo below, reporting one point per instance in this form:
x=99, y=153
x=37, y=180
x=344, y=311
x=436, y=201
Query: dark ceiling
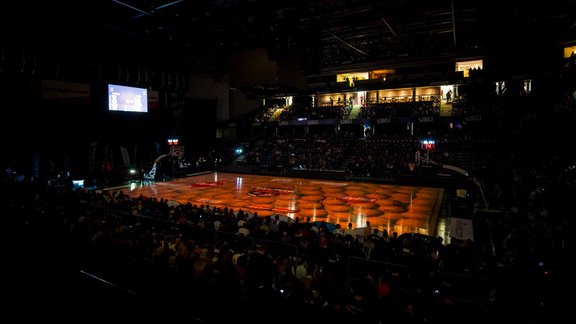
x=199, y=35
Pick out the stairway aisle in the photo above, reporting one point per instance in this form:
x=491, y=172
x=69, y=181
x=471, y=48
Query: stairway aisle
x=354, y=112
x=445, y=108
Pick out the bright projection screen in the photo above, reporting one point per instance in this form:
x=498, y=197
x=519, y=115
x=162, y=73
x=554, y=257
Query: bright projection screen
x=125, y=98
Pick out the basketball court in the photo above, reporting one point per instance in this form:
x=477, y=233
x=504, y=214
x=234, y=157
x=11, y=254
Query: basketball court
x=395, y=208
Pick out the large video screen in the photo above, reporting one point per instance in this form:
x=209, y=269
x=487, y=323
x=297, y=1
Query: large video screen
x=124, y=98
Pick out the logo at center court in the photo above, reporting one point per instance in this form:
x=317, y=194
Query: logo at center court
x=270, y=191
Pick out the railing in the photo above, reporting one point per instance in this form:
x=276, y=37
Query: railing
x=101, y=299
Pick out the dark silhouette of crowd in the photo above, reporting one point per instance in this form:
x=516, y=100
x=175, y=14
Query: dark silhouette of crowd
x=78, y=254
x=211, y=264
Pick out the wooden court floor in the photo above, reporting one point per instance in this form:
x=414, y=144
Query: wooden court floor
x=392, y=207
